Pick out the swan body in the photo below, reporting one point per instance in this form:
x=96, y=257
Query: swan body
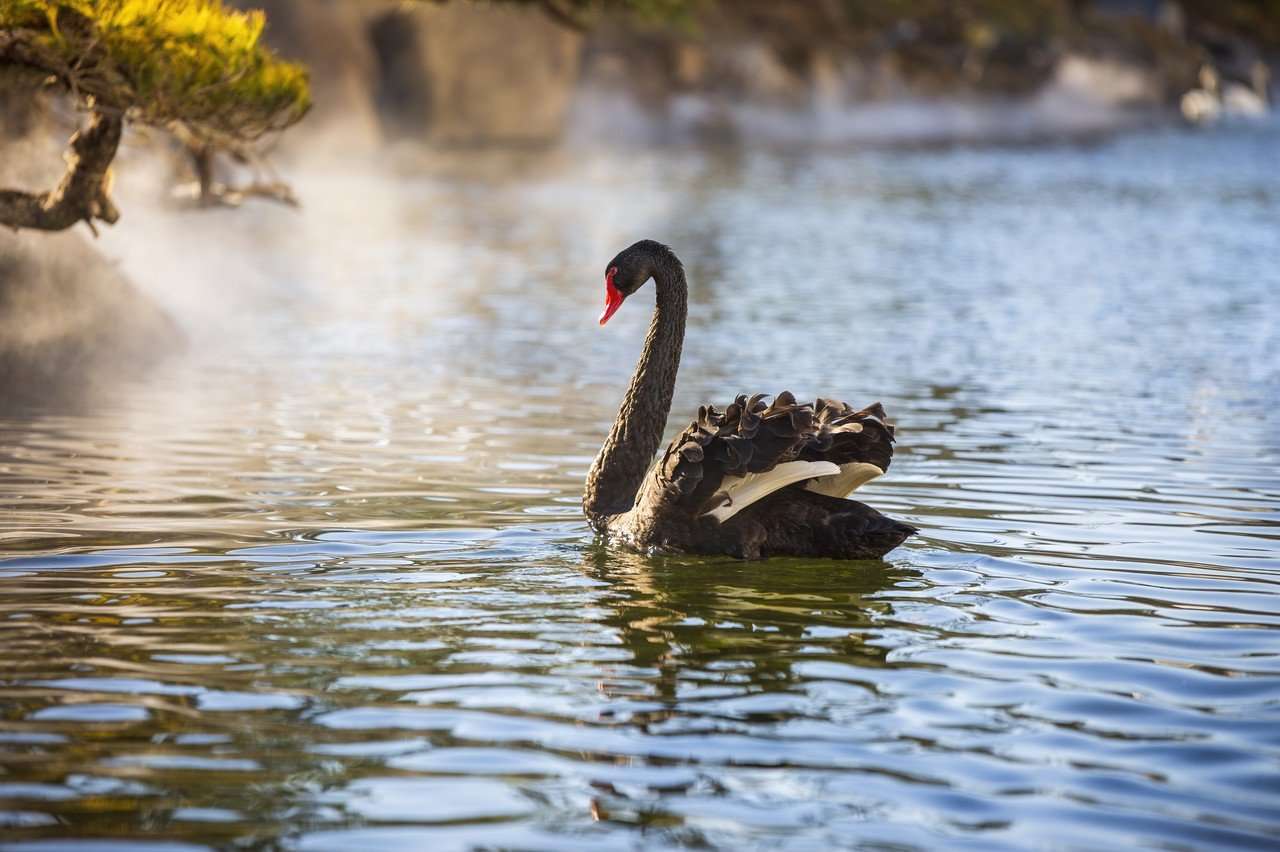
x=760, y=478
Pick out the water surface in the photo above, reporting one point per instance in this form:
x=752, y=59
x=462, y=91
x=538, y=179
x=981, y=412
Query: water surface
x=324, y=583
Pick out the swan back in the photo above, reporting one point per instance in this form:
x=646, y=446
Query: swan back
x=726, y=461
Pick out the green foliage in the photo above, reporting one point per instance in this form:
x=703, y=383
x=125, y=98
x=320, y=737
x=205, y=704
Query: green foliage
x=581, y=12
x=162, y=61
x=962, y=20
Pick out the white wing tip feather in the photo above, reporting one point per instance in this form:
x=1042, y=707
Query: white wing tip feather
x=742, y=491
x=852, y=476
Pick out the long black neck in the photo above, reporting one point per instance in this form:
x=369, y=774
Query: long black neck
x=620, y=466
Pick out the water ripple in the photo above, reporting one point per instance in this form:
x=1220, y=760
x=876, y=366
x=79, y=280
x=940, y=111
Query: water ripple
x=317, y=606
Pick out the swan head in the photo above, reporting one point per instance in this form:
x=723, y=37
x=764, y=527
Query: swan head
x=628, y=272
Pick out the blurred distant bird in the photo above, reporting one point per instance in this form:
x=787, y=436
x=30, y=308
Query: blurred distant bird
x=1215, y=99
x=755, y=480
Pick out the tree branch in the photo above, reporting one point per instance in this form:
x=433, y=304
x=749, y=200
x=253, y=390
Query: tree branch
x=562, y=16
x=82, y=194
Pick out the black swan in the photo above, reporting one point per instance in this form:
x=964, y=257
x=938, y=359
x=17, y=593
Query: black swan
x=755, y=480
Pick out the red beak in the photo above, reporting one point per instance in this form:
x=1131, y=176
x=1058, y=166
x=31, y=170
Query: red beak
x=612, y=297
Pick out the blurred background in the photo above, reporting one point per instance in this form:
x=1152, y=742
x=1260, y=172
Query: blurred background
x=470, y=88
x=291, y=546
x=507, y=89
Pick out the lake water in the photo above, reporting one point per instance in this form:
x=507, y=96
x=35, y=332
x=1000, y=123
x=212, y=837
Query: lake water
x=324, y=582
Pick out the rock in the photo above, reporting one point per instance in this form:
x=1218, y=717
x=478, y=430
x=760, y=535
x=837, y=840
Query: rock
x=454, y=74
x=331, y=38
x=70, y=322
x=473, y=74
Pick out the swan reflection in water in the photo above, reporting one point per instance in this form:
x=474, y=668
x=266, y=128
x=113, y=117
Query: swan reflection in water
x=719, y=650
x=695, y=623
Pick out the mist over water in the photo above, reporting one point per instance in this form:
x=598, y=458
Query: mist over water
x=323, y=581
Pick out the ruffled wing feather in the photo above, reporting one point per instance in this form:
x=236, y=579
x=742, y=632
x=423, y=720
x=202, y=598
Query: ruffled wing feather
x=723, y=458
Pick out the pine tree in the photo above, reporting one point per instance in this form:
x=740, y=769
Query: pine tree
x=192, y=67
